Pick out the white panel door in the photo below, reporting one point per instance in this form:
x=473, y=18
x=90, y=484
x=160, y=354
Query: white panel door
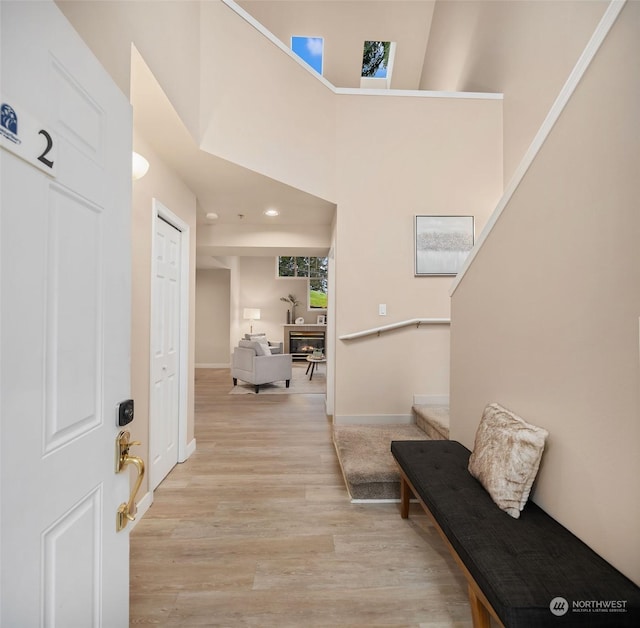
x=165, y=380
x=64, y=326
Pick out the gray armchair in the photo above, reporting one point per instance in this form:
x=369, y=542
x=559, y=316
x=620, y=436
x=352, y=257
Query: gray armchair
x=251, y=363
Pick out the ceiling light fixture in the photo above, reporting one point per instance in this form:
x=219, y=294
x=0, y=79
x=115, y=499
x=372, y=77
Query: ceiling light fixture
x=271, y=212
x=212, y=216
x=139, y=166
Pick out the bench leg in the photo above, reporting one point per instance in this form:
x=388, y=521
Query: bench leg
x=405, y=496
x=479, y=613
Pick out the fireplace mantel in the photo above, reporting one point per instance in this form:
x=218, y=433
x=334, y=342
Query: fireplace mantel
x=313, y=326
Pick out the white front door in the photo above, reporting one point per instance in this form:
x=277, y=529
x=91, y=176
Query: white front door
x=165, y=359
x=64, y=326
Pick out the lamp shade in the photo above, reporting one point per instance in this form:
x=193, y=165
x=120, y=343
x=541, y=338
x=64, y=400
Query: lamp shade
x=251, y=313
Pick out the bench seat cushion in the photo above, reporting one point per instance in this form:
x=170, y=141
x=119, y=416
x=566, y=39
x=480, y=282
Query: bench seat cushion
x=522, y=564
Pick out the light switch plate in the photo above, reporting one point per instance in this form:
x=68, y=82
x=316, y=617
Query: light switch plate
x=382, y=309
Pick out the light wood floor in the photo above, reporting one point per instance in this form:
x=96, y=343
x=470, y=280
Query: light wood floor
x=256, y=529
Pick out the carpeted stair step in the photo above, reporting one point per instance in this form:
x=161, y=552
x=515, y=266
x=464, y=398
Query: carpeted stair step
x=433, y=420
x=364, y=452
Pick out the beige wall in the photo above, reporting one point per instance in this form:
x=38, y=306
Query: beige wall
x=212, y=317
x=264, y=240
x=260, y=287
x=271, y=116
x=546, y=319
x=159, y=183
x=392, y=168
x=169, y=43
x=524, y=49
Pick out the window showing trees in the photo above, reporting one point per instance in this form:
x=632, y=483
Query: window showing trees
x=375, y=59
x=293, y=266
x=377, y=64
x=315, y=270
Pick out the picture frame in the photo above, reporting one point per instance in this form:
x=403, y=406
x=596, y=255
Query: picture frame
x=442, y=244
x=321, y=319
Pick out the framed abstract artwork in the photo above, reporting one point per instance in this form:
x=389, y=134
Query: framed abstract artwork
x=442, y=244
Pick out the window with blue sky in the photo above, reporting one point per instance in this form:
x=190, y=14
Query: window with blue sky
x=310, y=50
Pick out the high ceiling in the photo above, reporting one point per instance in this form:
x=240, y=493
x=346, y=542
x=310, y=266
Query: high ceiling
x=231, y=191
x=220, y=186
x=237, y=195
x=345, y=25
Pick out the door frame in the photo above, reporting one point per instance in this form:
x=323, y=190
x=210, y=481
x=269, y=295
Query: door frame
x=161, y=212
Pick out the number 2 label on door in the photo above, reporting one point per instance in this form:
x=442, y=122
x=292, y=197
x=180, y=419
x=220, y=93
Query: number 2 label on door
x=23, y=135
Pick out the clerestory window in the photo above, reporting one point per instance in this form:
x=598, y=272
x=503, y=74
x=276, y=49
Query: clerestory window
x=377, y=64
x=310, y=50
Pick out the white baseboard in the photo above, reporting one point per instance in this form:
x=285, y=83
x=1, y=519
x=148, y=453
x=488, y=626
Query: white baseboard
x=145, y=503
x=142, y=506
x=430, y=400
x=189, y=449
x=376, y=419
x=214, y=365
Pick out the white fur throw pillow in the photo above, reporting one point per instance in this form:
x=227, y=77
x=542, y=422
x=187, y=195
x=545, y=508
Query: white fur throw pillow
x=506, y=457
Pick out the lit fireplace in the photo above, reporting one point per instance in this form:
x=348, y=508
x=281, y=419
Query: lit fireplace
x=304, y=343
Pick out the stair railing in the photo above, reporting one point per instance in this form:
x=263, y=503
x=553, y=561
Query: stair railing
x=376, y=331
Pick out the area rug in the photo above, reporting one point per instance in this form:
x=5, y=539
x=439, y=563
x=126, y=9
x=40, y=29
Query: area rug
x=364, y=451
x=299, y=384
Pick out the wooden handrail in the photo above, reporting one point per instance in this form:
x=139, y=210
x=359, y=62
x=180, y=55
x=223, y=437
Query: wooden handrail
x=412, y=321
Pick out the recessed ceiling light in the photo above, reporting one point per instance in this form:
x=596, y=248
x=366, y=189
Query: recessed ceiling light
x=271, y=212
x=212, y=216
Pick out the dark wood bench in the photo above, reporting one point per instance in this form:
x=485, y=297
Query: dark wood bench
x=529, y=571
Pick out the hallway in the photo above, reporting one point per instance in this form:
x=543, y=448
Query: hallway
x=256, y=529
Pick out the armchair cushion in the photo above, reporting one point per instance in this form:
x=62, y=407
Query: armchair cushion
x=276, y=347
x=258, y=346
